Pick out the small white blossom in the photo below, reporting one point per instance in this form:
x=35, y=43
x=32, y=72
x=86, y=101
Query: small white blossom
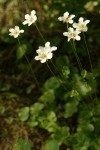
x=45, y=53
x=81, y=25
x=72, y=34
x=15, y=31
x=47, y=46
x=30, y=19
x=67, y=18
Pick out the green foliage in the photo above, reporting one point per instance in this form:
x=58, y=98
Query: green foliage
x=70, y=108
x=21, y=51
x=65, y=107
x=16, y=146
x=22, y=145
x=51, y=83
x=2, y=109
x=51, y=145
x=62, y=134
x=48, y=96
x=65, y=71
x=24, y=113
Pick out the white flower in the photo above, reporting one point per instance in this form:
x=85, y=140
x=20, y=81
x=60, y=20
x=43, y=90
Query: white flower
x=45, y=53
x=30, y=18
x=15, y=31
x=47, y=46
x=67, y=18
x=72, y=34
x=81, y=25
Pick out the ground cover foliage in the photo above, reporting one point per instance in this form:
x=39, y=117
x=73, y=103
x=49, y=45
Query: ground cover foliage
x=60, y=108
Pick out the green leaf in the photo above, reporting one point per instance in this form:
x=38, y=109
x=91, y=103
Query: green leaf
x=24, y=144
x=65, y=71
x=84, y=73
x=11, y=95
x=62, y=134
x=32, y=122
x=48, y=96
x=48, y=121
x=24, y=113
x=81, y=142
x=73, y=93
x=70, y=108
x=51, y=145
x=16, y=146
x=2, y=109
x=21, y=51
x=36, y=108
x=81, y=86
x=4, y=87
x=52, y=84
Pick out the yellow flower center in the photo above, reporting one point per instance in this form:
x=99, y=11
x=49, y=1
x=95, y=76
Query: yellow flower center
x=66, y=19
x=30, y=19
x=73, y=35
x=81, y=26
x=43, y=56
x=16, y=32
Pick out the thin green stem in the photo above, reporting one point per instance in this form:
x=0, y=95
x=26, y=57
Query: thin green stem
x=29, y=66
x=88, y=52
x=89, y=57
x=77, y=58
x=40, y=32
x=67, y=26
x=56, y=77
x=56, y=69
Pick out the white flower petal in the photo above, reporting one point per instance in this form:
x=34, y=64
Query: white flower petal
x=81, y=19
x=47, y=44
x=37, y=58
x=30, y=18
x=72, y=16
x=87, y=21
x=70, y=29
x=11, y=30
x=25, y=22
x=43, y=60
x=27, y=16
x=33, y=12
x=69, y=39
x=77, y=31
x=85, y=29
x=50, y=55
x=17, y=28
x=38, y=51
x=15, y=36
x=75, y=25
x=10, y=34
x=60, y=18
x=53, y=48
x=29, y=23
x=66, y=14
x=45, y=53
x=65, y=33
x=70, y=21
x=21, y=31
x=35, y=18
x=78, y=38
x=41, y=48
x=15, y=32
